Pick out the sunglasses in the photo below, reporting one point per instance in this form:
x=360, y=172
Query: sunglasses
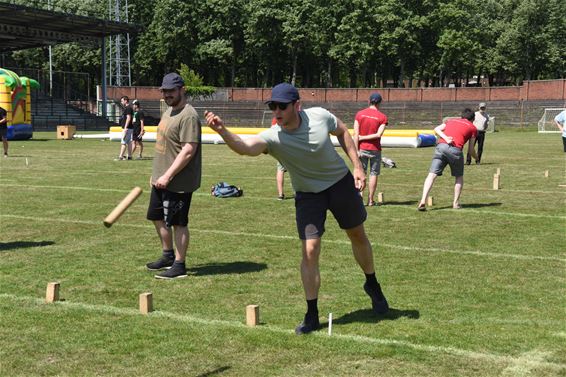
x=274, y=105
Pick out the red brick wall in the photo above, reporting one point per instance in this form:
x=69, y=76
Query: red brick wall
x=529, y=91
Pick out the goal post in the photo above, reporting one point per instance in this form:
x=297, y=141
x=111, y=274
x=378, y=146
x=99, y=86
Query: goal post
x=546, y=122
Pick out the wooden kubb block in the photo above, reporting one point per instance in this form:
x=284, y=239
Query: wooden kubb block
x=252, y=315
x=496, y=182
x=52, y=293
x=380, y=197
x=66, y=132
x=146, y=303
x=429, y=201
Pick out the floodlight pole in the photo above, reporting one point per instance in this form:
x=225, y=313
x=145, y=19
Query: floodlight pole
x=50, y=59
x=103, y=94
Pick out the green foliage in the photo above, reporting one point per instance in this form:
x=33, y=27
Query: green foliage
x=194, y=84
x=330, y=42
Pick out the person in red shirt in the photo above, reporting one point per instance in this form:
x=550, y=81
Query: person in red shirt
x=369, y=126
x=454, y=134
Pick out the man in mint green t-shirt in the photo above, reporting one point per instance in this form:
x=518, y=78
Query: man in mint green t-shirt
x=322, y=181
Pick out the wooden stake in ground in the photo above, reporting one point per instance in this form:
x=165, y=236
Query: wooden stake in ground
x=380, y=197
x=52, y=293
x=146, y=303
x=252, y=315
x=496, y=181
x=429, y=201
x=122, y=207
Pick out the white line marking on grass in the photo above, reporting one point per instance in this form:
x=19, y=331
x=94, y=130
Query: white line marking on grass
x=294, y=238
x=464, y=211
x=513, y=214
x=524, y=362
x=528, y=361
x=115, y=190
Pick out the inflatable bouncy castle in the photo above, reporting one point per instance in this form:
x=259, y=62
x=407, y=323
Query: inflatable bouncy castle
x=15, y=98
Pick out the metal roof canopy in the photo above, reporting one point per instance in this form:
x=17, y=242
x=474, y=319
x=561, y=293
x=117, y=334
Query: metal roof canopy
x=24, y=27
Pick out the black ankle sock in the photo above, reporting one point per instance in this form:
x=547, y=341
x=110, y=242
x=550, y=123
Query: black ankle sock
x=169, y=254
x=312, y=307
x=371, y=280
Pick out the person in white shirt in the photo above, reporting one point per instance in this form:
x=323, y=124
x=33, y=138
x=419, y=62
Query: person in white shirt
x=480, y=122
x=560, y=121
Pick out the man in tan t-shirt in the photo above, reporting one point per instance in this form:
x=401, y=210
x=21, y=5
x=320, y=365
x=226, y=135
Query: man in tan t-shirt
x=176, y=175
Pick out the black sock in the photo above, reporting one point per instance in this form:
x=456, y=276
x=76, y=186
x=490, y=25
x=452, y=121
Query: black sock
x=371, y=280
x=312, y=307
x=169, y=254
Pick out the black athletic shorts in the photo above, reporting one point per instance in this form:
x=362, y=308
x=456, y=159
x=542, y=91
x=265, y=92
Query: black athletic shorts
x=171, y=207
x=136, y=134
x=3, y=132
x=342, y=199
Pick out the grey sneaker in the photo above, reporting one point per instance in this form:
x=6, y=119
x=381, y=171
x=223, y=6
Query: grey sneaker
x=176, y=271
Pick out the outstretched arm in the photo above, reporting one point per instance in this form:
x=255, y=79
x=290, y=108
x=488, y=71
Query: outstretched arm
x=347, y=144
x=253, y=146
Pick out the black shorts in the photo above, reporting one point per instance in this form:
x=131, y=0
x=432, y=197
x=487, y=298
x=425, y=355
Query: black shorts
x=342, y=199
x=171, y=207
x=136, y=134
x=3, y=132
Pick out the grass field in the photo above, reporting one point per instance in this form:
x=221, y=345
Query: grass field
x=474, y=292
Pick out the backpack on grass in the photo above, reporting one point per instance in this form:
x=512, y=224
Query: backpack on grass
x=224, y=190
x=388, y=163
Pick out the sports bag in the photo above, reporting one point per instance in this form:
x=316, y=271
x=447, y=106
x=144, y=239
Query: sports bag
x=225, y=190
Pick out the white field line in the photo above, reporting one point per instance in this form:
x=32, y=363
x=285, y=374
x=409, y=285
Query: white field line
x=513, y=362
x=270, y=178
x=498, y=213
x=294, y=238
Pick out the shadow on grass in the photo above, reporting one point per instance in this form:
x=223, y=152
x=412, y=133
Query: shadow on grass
x=406, y=202
x=226, y=268
x=472, y=205
x=23, y=244
x=368, y=316
x=214, y=372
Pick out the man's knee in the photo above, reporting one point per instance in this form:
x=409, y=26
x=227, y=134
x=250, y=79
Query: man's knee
x=357, y=234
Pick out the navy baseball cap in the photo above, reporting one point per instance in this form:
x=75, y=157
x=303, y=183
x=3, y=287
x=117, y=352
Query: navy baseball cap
x=283, y=93
x=171, y=81
x=375, y=98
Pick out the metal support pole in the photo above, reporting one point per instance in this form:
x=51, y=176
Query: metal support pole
x=103, y=53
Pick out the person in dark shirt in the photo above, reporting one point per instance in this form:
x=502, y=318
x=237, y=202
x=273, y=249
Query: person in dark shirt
x=127, y=128
x=138, y=121
x=4, y=130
